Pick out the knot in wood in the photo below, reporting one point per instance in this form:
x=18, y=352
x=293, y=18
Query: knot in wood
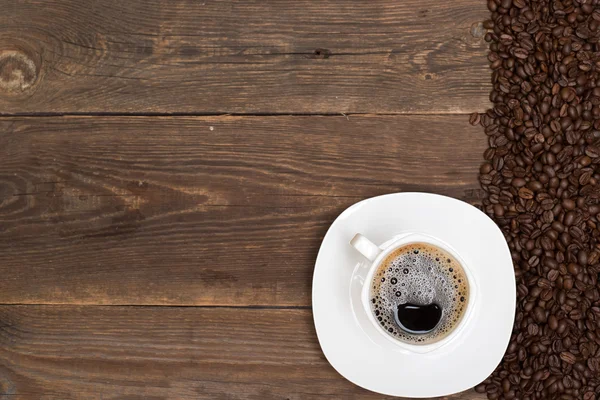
x=477, y=30
x=18, y=72
x=321, y=54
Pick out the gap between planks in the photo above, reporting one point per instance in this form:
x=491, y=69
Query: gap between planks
x=90, y=305
x=340, y=114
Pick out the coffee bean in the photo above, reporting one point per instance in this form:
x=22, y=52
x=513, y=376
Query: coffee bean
x=593, y=257
x=573, y=269
x=535, y=186
x=539, y=315
x=543, y=190
x=552, y=322
x=547, y=218
x=569, y=218
x=535, y=292
x=518, y=182
x=485, y=179
x=521, y=53
x=592, y=151
x=525, y=193
x=575, y=315
x=498, y=210
x=522, y=290
x=542, y=282
x=550, y=262
x=533, y=329
x=582, y=257
x=553, y=275
x=485, y=168
x=547, y=204
x=491, y=130
x=585, y=161
x=567, y=357
x=491, y=388
x=545, y=241
x=568, y=204
x=585, y=177
x=593, y=364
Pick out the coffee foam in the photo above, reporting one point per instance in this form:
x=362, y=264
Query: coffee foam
x=421, y=274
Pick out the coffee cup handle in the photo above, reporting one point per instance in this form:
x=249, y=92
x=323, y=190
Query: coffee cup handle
x=365, y=247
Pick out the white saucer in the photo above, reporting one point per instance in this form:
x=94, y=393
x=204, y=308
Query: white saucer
x=358, y=351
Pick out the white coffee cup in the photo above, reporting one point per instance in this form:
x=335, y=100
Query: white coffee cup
x=376, y=254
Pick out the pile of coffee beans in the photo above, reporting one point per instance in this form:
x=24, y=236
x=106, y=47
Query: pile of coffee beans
x=541, y=177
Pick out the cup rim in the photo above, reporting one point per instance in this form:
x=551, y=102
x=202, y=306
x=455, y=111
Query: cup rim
x=389, y=247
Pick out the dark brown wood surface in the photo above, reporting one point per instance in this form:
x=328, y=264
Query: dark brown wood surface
x=205, y=210
x=141, y=353
x=168, y=170
x=244, y=56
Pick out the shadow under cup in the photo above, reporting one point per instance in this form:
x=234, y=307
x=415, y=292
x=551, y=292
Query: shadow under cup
x=405, y=280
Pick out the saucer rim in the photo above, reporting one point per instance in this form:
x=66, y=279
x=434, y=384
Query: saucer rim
x=431, y=393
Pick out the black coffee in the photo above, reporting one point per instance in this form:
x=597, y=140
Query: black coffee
x=418, y=319
x=419, y=293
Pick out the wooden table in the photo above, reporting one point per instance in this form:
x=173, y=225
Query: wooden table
x=168, y=170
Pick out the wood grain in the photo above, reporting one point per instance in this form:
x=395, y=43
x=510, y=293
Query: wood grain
x=135, y=353
x=202, y=211
x=223, y=212
x=244, y=56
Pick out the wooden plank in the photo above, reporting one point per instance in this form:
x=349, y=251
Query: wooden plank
x=244, y=56
x=202, y=211
x=135, y=353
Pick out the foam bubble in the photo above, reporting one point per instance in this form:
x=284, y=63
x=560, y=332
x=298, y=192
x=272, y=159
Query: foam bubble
x=422, y=274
